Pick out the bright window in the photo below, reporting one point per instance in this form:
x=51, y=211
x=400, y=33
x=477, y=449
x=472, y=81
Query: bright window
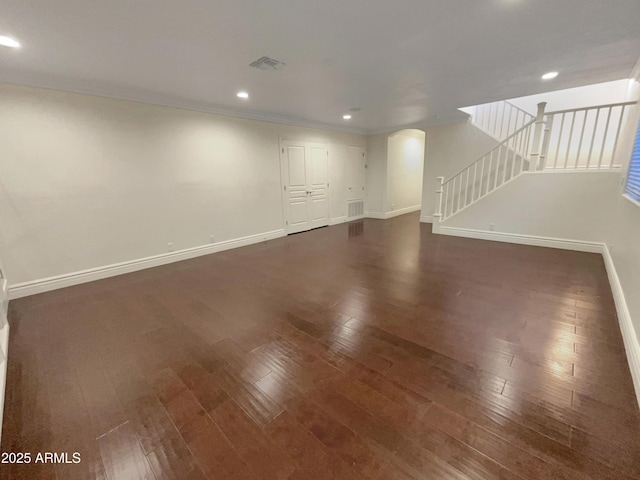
x=633, y=177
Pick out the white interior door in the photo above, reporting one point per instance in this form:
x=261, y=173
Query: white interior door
x=305, y=174
x=355, y=172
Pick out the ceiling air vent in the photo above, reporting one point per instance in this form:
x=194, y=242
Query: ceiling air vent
x=268, y=64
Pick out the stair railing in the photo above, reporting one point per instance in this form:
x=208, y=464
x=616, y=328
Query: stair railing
x=499, y=119
x=584, y=138
x=579, y=139
x=494, y=169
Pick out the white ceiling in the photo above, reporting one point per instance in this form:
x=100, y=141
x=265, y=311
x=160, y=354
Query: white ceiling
x=402, y=62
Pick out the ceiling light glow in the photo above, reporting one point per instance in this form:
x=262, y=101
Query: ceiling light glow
x=242, y=95
x=346, y=117
x=9, y=42
x=549, y=76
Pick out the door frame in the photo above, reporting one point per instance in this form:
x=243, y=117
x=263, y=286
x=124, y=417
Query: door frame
x=4, y=290
x=282, y=141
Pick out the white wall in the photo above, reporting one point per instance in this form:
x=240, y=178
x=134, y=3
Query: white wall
x=580, y=97
x=572, y=206
x=586, y=206
x=624, y=234
x=376, y=173
x=4, y=293
x=405, y=164
x=449, y=149
x=87, y=181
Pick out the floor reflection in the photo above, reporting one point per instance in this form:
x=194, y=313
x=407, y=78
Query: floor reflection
x=356, y=229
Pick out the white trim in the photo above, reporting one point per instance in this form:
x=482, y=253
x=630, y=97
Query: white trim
x=562, y=243
x=4, y=296
x=632, y=200
x=592, y=107
x=611, y=169
x=394, y=213
x=402, y=211
x=284, y=142
x=4, y=355
x=171, y=102
x=339, y=220
x=629, y=336
x=421, y=125
x=632, y=346
x=426, y=219
x=61, y=281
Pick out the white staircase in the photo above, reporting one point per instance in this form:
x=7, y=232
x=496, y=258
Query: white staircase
x=499, y=119
x=583, y=139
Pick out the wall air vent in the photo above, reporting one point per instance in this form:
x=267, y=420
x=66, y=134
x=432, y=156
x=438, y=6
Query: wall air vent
x=267, y=64
x=355, y=209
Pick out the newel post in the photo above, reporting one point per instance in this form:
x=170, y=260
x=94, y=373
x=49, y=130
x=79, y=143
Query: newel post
x=438, y=215
x=536, y=148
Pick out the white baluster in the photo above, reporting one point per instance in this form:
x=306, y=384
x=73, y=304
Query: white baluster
x=584, y=124
x=545, y=142
x=537, y=134
x=495, y=176
x=506, y=163
x=482, y=176
x=555, y=160
x=615, y=142
x=604, y=137
x=473, y=185
x=438, y=215
x=445, y=209
x=593, y=137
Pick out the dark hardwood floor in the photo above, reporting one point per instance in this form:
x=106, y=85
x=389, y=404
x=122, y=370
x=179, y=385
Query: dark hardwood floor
x=371, y=350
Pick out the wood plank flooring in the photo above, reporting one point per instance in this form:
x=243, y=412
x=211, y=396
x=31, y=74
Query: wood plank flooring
x=370, y=350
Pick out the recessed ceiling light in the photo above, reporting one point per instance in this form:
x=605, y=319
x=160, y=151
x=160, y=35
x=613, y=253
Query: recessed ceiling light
x=242, y=95
x=9, y=42
x=549, y=76
x=346, y=117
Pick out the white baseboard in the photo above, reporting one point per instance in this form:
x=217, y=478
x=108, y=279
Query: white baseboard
x=61, y=281
x=4, y=355
x=631, y=345
x=353, y=219
x=426, y=219
x=4, y=295
x=395, y=213
x=338, y=220
x=402, y=211
x=562, y=243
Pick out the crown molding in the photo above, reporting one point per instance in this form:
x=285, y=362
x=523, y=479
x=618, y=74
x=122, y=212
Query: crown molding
x=422, y=125
x=137, y=96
